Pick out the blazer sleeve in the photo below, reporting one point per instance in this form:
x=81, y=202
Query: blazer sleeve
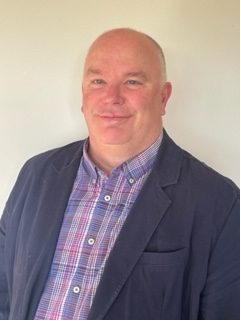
x=8, y=244
x=4, y=292
x=220, y=297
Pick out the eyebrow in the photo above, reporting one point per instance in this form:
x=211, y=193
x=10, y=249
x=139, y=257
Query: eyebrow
x=93, y=71
x=141, y=74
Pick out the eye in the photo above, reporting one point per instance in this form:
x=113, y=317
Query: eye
x=98, y=81
x=133, y=82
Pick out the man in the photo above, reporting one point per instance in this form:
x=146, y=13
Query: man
x=125, y=225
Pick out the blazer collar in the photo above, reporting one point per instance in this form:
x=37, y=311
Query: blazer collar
x=169, y=161
x=166, y=167
x=69, y=157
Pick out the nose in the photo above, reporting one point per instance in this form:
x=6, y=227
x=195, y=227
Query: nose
x=113, y=95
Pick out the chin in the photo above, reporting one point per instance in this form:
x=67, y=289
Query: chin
x=115, y=141
x=114, y=136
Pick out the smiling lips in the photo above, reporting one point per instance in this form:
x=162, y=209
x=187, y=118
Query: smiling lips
x=112, y=118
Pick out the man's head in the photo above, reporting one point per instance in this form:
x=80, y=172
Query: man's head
x=125, y=90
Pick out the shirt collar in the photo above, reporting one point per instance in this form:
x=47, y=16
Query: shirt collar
x=133, y=168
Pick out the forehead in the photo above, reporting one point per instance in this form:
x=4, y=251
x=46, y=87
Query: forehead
x=116, y=52
x=122, y=50
x=121, y=39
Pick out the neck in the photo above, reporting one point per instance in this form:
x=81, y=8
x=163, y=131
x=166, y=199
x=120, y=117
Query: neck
x=108, y=157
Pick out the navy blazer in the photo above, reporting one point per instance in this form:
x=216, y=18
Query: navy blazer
x=176, y=257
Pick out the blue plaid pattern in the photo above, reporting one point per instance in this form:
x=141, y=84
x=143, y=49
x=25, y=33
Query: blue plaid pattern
x=96, y=212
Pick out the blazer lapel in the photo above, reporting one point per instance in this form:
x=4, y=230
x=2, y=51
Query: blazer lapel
x=147, y=212
x=46, y=228
x=130, y=244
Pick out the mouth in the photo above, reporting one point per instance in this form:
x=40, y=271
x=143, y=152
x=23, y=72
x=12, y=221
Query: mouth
x=112, y=118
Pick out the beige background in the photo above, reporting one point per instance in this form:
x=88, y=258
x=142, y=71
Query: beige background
x=42, y=49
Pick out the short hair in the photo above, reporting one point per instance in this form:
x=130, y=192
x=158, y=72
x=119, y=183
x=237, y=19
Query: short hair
x=161, y=54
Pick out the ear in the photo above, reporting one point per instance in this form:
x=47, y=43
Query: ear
x=166, y=93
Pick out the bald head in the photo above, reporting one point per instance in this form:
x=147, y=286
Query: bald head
x=122, y=38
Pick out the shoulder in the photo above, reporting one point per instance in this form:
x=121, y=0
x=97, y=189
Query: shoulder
x=214, y=197
x=199, y=194
x=205, y=178
x=64, y=155
x=42, y=166
x=187, y=179
x=39, y=169
x=191, y=177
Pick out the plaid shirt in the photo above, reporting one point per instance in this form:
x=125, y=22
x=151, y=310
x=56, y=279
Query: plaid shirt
x=96, y=211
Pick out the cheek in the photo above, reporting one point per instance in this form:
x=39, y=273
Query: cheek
x=143, y=103
x=149, y=109
x=88, y=101
x=138, y=101
x=86, y=98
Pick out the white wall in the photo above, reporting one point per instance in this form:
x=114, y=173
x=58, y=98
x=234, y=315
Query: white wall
x=42, y=49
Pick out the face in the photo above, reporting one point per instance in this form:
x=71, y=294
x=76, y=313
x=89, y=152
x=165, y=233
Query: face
x=124, y=97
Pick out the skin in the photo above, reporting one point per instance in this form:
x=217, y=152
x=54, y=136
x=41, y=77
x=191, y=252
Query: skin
x=124, y=96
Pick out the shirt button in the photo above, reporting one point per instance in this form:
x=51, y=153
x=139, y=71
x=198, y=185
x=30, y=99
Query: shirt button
x=131, y=180
x=91, y=241
x=107, y=198
x=93, y=181
x=76, y=289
